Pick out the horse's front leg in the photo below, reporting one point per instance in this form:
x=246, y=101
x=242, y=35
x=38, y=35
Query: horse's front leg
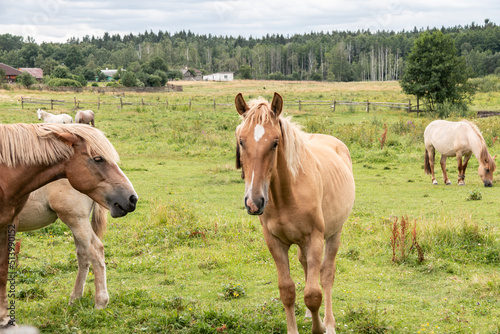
x=279, y=252
x=312, y=291
x=461, y=175
x=89, y=249
x=443, y=167
x=332, y=245
x=464, y=167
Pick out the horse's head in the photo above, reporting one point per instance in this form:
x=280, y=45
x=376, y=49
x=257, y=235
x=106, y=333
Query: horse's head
x=257, y=143
x=39, y=113
x=486, y=169
x=98, y=176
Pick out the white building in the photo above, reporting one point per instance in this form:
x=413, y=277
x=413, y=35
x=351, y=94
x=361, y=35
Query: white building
x=221, y=76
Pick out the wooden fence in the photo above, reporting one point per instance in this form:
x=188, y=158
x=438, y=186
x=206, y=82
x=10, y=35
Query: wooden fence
x=121, y=102
x=113, y=90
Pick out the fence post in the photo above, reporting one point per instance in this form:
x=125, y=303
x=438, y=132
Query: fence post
x=75, y=102
x=409, y=105
x=334, y=104
x=121, y=103
x=166, y=101
x=300, y=106
x=189, y=104
x=214, y=104
x=51, y=104
x=98, y=102
x=142, y=100
x=418, y=105
x=22, y=102
x=367, y=105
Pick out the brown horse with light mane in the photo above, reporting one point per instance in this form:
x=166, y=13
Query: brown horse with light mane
x=32, y=155
x=59, y=199
x=302, y=186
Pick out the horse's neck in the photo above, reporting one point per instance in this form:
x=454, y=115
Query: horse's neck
x=30, y=178
x=44, y=115
x=280, y=188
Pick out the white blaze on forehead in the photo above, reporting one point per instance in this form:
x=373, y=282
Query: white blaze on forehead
x=258, y=132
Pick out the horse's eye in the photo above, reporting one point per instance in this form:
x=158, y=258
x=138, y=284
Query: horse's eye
x=487, y=170
x=98, y=159
x=275, y=144
x=241, y=143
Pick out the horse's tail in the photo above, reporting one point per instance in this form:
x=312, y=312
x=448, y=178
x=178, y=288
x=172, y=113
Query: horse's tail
x=427, y=164
x=99, y=219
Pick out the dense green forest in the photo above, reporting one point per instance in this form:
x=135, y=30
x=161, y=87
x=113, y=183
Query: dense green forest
x=333, y=56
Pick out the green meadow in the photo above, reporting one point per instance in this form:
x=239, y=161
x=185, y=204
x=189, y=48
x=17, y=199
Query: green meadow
x=191, y=260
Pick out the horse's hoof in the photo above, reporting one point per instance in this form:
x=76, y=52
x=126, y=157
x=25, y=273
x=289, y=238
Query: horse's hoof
x=435, y=183
x=461, y=184
x=448, y=183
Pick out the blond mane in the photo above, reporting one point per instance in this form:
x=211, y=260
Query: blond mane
x=485, y=155
x=293, y=142
x=37, y=144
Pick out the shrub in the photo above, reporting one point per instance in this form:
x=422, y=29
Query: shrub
x=232, y=291
x=58, y=82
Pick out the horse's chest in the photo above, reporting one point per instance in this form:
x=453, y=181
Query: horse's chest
x=289, y=231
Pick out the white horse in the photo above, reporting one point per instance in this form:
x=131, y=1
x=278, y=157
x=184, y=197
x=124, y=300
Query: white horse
x=51, y=118
x=84, y=117
x=460, y=139
x=60, y=200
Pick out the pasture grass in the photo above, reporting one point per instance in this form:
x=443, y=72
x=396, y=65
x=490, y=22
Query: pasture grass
x=173, y=264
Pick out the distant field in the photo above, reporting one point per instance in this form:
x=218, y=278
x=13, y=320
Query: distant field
x=190, y=241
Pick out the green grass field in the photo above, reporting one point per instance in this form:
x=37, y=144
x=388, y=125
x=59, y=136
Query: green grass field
x=190, y=259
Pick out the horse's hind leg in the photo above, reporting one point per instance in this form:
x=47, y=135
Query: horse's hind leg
x=443, y=167
x=430, y=153
x=332, y=245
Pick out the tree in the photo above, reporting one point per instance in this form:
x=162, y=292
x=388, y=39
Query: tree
x=128, y=79
x=61, y=72
x=26, y=79
x=245, y=72
x=435, y=73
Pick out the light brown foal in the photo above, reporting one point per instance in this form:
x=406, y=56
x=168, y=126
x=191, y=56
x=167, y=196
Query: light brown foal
x=302, y=186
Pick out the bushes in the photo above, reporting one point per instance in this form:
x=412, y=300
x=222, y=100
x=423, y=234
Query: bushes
x=58, y=82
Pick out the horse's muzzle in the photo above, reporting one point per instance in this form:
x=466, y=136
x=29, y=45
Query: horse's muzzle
x=488, y=184
x=120, y=208
x=255, y=207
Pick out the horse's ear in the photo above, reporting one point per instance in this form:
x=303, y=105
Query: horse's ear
x=241, y=105
x=67, y=138
x=277, y=104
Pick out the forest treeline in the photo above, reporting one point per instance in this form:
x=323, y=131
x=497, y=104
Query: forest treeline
x=333, y=56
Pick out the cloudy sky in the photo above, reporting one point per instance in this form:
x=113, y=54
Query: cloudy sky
x=58, y=20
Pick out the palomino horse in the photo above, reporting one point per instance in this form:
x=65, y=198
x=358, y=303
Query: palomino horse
x=59, y=199
x=32, y=155
x=302, y=186
x=460, y=139
x=51, y=118
x=84, y=117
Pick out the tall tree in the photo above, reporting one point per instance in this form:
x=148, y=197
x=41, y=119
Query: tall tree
x=434, y=72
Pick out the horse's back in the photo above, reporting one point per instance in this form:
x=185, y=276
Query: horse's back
x=448, y=137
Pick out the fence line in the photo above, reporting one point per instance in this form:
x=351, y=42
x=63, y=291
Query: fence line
x=77, y=104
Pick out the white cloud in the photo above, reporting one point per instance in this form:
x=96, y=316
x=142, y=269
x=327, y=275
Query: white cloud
x=58, y=20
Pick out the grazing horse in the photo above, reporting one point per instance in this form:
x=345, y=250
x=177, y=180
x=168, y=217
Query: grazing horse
x=460, y=139
x=51, y=118
x=302, y=186
x=59, y=199
x=32, y=155
x=84, y=117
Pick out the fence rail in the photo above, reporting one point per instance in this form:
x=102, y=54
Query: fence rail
x=121, y=101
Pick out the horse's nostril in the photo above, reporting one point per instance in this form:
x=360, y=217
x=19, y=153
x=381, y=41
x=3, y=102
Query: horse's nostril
x=133, y=199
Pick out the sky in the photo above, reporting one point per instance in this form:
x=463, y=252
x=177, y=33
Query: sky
x=59, y=20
